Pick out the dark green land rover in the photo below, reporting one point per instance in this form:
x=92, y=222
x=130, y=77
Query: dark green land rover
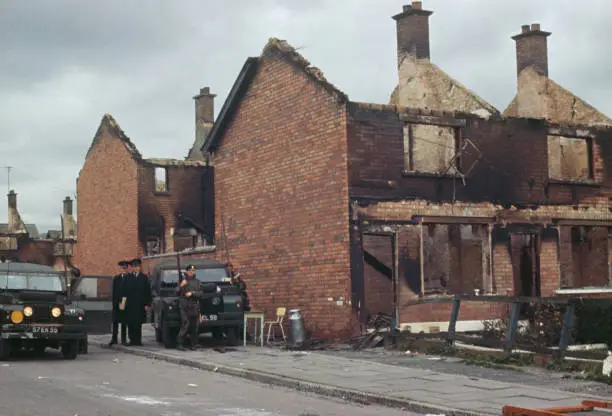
x=36, y=312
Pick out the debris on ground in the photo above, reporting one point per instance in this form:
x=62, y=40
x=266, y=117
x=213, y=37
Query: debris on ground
x=374, y=332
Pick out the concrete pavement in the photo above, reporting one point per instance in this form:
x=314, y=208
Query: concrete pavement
x=414, y=389
x=106, y=382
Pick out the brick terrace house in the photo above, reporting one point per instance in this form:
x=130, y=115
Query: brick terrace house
x=130, y=206
x=309, y=187
x=22, y=242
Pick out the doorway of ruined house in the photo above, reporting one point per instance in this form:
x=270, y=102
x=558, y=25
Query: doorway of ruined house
x=527, y=267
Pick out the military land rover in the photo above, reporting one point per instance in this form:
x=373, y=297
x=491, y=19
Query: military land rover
x=36, y=312
x=221, y=308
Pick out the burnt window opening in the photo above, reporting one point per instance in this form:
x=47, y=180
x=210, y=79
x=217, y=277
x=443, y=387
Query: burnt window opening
x=430, y=148
x=570, y=158
x=153, y=246
x=161, y=179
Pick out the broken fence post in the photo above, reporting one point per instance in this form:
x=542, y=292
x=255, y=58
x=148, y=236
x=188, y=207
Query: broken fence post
x=566, y=331
x=514, y=317
x=452, y=324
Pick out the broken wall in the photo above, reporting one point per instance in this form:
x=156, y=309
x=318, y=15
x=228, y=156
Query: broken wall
x=511, y=162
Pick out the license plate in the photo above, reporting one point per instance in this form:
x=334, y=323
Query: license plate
x=209, y=317
x=44, y=330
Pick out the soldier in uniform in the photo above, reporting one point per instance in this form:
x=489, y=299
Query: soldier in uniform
x=137, y=290
x=189, y=302
x=118, y=294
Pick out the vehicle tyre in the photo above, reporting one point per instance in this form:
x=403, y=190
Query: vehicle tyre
x=232, y=337
x=5, y=350
x=70, y=349
x=84, y=345
x=39, y=349
x=217, y=334
x=158, y=335
x=168, y=335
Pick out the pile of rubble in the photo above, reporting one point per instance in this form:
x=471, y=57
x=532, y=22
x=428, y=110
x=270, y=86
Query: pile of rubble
x=373, y=334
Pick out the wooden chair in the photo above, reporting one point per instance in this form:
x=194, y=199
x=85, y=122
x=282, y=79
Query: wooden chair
x=280, y=315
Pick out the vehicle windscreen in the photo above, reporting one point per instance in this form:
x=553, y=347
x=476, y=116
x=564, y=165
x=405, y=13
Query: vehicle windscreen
x=38, y=282
x=209, y=275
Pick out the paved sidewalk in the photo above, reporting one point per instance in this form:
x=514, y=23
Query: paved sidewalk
x=413, y=389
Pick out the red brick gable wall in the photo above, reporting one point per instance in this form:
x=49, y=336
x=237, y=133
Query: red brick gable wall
x=281, y=193
x=107, y=209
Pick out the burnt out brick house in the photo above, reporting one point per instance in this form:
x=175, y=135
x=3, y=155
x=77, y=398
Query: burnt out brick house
x=327, y=205
x=22, y=242
x=130, y=206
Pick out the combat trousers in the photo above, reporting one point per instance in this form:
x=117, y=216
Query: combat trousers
x=189, y=324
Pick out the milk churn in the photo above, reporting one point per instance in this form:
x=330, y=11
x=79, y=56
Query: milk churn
x=296, y=327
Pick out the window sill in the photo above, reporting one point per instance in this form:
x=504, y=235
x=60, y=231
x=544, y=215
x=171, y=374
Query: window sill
x=575, y=182
x=417, y=174
x=163, y=193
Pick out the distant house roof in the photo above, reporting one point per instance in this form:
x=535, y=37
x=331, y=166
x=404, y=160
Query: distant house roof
x=31, y=228
x=274, y=47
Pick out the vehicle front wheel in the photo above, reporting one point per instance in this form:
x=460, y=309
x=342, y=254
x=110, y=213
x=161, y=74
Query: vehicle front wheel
x=70, y=349
x=233, y=339
x=5, y=350
x=168, y=335
x=84, y=345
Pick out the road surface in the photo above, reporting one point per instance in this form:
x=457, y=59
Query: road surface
x=106, y=382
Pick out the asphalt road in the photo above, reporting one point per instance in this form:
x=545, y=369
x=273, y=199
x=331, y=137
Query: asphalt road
x=106, y=382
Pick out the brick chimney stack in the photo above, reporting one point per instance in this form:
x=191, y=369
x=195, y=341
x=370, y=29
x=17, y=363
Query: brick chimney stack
x=532, y=49
x=67, y=206
x=205, y=106
x=12, y=199
x=412, y=32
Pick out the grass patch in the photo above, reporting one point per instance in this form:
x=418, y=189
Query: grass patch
x=505, y=362
x=586, y=370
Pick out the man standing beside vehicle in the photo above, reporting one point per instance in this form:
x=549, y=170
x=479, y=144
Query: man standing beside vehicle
x=118, y=296
x=138, y=295
x=189, y=291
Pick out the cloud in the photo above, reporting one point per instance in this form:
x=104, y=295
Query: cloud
x=67, y=62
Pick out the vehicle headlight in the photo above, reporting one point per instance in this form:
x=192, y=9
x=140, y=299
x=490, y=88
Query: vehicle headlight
x=56, y=312
x=16, y=317
x=218, y=289
x=27, y=311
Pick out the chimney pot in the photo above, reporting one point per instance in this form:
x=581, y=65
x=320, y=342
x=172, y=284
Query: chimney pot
x=532, y=49
x=205, y=90
x=68, y=206
x=412, y=32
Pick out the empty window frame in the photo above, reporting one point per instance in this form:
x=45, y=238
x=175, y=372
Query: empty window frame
x=570, y=158
x=161, y=179
x=431, y=148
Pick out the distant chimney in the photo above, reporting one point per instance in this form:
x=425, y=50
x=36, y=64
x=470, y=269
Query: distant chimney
x=205, y=107
x=67, y=206
x=12, y=199
x=413, y=32
x=532, y=49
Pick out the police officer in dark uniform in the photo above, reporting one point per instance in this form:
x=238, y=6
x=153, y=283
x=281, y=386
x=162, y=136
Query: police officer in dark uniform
x=117, y=295
x=137, y=289
x=189, y=303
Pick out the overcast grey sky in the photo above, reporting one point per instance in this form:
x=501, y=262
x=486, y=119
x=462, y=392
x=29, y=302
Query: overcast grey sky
x=67, y=62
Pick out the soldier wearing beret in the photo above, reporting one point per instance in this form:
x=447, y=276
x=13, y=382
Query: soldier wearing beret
x=190, y=293
x=119, y=303
x=138, y=295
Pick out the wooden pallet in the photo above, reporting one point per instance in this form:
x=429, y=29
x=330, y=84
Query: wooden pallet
x=585, y=406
